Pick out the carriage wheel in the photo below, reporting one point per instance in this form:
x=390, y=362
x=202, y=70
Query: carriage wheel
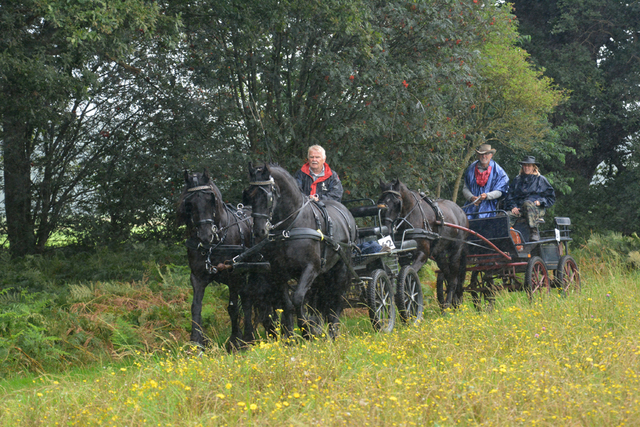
x=482, y=283
x=409, y=298
x=567, y=276
x=382, y=310
x=536, y=278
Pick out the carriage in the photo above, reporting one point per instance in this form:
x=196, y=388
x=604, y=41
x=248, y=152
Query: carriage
x=383, y=276
x=501, y=257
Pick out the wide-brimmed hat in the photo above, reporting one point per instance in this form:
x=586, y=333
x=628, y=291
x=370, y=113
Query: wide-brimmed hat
x=485, y=149
x=529, y=160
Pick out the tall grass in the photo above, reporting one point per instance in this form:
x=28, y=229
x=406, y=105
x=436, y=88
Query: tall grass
x=559, y=361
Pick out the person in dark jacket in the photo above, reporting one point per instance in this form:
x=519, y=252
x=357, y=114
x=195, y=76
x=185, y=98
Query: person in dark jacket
x=484, y=183
x=316, y=179
x=529, y=195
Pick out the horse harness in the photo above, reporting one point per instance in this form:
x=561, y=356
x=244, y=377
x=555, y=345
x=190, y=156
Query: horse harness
x=428, y=231
x=206, y=249
x=320, y=213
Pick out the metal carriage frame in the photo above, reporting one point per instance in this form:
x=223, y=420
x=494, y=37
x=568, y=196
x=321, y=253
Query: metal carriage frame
x=385, y=282
x=502, y=257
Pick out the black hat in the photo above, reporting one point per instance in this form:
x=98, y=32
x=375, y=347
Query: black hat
x=529, y=160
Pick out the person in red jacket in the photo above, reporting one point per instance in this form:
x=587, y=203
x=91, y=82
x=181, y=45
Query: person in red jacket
x=316, y=179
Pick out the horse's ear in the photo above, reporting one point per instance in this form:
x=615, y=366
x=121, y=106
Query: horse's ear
x=205, y=175
x=186, y=177
x=396, y=183
x=181, y=213
x=245, y=197
x=252, y=172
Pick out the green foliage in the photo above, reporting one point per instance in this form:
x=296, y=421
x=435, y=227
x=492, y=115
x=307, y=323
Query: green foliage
x=614, y=248
x=25, y=338
x=590, y=50
x=53, y=59
x=557, y=361
x=57, y=321
x=512, y=101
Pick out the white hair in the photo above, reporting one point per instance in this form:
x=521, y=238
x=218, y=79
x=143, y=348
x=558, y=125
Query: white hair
x=319, y=149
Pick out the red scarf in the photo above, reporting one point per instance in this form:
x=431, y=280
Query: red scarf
x=482, y=177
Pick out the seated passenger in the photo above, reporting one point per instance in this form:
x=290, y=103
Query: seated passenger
x=529, y=195
x=484, y=183
x=316, y=179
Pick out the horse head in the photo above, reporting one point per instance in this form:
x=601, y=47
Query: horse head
x=392, y=199
x=198, y=206
x=262, y=194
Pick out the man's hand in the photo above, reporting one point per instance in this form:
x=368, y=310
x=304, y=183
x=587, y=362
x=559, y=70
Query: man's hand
x=314, y=197
x=479, y=199
x=515, y=211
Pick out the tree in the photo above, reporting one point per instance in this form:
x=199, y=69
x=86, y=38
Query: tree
x=50, y=53
x=591, y=49
x=355, y=77
x=513, y=100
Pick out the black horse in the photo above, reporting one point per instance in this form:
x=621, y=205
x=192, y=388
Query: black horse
x=216, y=231
x=307, y=242
x=406, y=209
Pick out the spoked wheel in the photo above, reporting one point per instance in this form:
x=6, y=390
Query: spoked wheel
x=536, y=278
x=567, y=276
x=483, y=293
x=409, y=298
x=382, y=310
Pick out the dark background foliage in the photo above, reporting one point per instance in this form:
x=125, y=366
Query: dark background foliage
x=103, y=109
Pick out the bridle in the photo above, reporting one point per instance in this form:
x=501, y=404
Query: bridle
x=218, y=234
x=271, y=192
x=200, y=190
x=396, y=196
x=402, y=219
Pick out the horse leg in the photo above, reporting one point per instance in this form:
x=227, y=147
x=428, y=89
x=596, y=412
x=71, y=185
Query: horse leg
x=338, y=281
x=286, y=320
x=422, y=256
x=250, y=294
x=234, y=310
x=198, y=285
x=461, y=275
x=307, y=277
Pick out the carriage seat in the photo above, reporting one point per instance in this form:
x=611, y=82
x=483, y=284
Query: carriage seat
x=373, y=231
x=364, y=211
x=406, y=244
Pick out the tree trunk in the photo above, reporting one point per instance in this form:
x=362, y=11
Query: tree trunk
x=456, y=187
x=17, y=186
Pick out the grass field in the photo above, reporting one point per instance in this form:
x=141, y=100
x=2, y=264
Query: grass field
x=560, y=361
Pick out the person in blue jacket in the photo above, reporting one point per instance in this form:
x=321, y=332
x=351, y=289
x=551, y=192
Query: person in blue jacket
x=316, y=179
x=529, y=195
x=484, y=183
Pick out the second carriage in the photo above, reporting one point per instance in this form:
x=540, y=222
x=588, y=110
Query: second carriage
x=502, y=257
x=385, y=284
